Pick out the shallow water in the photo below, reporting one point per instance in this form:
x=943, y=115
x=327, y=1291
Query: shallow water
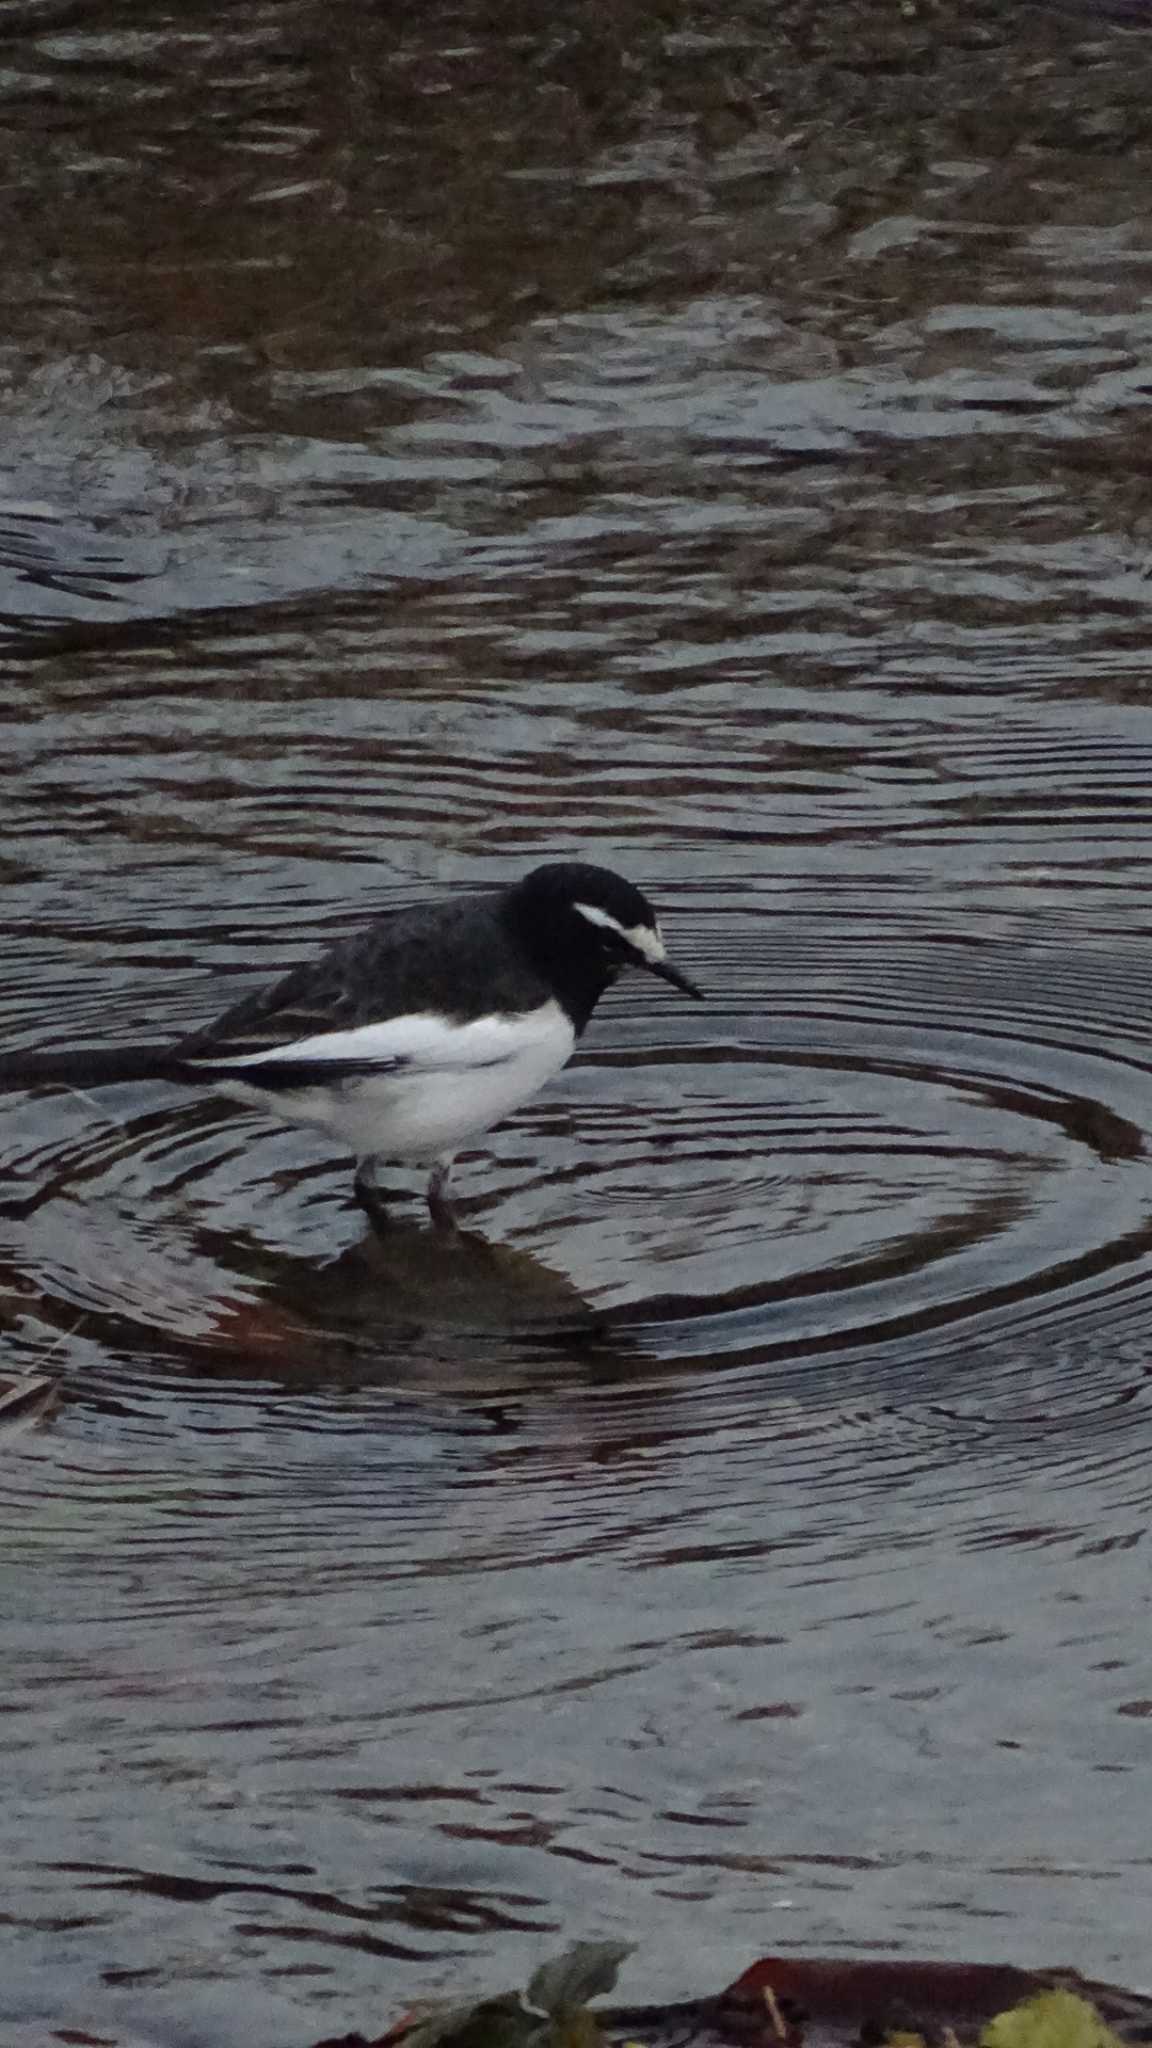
x=718, y=447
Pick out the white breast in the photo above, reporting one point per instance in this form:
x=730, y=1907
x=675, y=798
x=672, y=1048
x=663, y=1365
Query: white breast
x=438, y=1085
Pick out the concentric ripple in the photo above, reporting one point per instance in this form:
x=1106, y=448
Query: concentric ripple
x=853, y=1154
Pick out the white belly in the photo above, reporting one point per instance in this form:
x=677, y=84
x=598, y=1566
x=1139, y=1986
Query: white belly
x=468, y=1081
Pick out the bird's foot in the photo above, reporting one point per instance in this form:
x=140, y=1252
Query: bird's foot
x=371, y=1196
x=439, y=1207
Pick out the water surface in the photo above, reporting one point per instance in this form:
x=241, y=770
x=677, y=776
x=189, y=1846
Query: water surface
x=716, y=445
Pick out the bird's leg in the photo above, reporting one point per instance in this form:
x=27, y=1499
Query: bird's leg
x=439, y=1207
x=370, y=1196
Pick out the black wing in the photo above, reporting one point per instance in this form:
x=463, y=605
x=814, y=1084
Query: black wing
x=453, y=958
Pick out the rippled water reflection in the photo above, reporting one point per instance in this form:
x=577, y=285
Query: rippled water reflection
x=718, y=446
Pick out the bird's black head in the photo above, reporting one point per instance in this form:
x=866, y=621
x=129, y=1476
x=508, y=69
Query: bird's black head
x=581, y=926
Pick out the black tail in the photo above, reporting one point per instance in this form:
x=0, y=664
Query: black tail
x=88, y=1067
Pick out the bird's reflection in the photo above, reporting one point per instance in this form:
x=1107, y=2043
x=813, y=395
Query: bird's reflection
x=404, y=1305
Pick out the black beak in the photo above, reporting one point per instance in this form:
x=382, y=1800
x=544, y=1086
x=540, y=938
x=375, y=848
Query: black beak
x=678, y=980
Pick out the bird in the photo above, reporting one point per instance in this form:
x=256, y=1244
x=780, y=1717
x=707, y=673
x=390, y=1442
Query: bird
x=417, y=1033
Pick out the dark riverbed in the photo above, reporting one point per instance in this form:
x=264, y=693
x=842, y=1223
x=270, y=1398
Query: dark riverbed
x=716, y=440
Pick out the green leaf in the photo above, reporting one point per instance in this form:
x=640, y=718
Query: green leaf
x=576, y=2029
x=584, y=1971
x=499, y=2022
x=1053, y=2019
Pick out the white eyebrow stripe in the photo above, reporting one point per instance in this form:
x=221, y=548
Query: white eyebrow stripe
x=643, y=938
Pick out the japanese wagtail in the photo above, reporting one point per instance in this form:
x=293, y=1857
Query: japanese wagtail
x=414, y=1036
